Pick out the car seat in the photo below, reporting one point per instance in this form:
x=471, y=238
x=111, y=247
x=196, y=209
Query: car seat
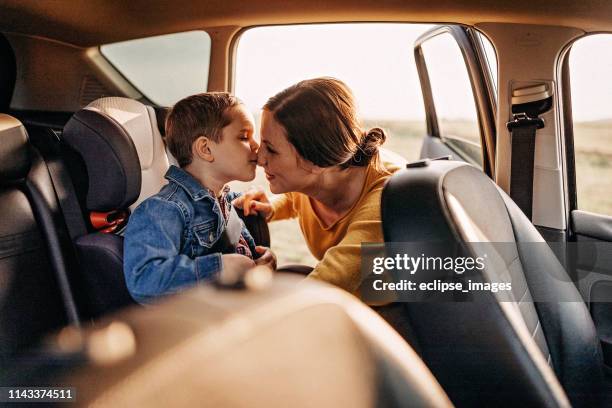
x=535, y=347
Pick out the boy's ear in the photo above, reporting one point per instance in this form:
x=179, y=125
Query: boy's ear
x=201, y=149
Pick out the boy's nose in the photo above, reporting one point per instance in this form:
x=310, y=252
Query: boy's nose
x=254, y=145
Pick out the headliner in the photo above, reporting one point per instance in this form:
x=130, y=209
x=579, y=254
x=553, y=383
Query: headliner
x=94, y=22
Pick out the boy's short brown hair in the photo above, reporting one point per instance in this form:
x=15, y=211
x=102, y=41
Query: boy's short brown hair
x=198, y=115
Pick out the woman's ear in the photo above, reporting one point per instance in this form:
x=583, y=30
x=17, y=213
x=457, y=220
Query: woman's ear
x=308, y=166
x=314, y=169
x=201, y=149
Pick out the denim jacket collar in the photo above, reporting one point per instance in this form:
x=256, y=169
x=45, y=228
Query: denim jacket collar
x=192, y=186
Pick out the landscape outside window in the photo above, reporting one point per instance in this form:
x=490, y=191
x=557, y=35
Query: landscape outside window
x=452, y=94
x=591, y=89
x=163, y=68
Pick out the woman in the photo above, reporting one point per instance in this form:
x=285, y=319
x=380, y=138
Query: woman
x=329, y=172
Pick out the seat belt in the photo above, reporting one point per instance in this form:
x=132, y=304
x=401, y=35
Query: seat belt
x=230, y=236
x=62, y=184
x=527, y=104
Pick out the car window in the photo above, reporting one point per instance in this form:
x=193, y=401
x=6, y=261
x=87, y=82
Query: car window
x=375, y=60
x=453, y=96
x=164, y=68
x=491, y=58
x=590, y=65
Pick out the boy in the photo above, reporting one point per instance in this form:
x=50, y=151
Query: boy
x=176, y=238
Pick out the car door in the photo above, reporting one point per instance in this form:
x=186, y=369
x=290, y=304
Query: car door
x=459, y=95
x=588, y=144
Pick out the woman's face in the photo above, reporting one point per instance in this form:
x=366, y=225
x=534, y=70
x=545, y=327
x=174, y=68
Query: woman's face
x=285, y=169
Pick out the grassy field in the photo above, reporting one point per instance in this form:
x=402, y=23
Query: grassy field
x=593, y=147
x=593, y=144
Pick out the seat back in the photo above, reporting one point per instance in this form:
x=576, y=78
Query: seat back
x=113, y=183
x=35, y=294
x=509, y=345
x=320, y=347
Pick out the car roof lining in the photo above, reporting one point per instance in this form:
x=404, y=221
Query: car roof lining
x=97, y=22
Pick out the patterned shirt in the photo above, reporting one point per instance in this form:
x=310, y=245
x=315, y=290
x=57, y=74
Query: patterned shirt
x=242, y=247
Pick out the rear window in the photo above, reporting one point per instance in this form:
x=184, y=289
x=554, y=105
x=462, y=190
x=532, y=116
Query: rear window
x=164, y=68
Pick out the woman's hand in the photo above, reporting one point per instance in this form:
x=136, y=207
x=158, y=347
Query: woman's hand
x=254, y=201
x=267, y=257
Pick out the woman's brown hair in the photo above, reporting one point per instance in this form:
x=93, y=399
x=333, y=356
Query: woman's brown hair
x=320, y=118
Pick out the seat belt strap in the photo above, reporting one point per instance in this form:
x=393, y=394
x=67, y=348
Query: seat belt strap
x=67, y=199
x=523, y=132
x=62, y=184
x=527, y=104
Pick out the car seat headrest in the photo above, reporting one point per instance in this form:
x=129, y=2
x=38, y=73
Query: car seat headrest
x=134, y=118
x=109, y=154
x=143, y=125
x=444, y=201
x=14, y=151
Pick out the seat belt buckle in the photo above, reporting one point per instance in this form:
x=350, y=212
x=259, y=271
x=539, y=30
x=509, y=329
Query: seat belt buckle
x=108, y=222
x=522, y=119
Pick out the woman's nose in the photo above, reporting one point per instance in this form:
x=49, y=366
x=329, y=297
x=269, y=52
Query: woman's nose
x=261, y=160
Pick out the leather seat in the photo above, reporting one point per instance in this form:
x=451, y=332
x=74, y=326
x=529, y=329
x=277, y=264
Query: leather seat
x=534, y=346
x=320, y=347
x=35, y=291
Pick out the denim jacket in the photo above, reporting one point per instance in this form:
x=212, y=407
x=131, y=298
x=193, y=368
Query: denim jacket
x=170, y=237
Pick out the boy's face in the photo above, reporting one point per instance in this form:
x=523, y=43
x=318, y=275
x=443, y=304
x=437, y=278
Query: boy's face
x=235, y=155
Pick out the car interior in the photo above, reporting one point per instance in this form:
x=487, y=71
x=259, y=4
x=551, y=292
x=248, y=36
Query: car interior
x=81, y=145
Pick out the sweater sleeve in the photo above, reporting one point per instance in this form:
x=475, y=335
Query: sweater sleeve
x=341, y=264
x=282, y=208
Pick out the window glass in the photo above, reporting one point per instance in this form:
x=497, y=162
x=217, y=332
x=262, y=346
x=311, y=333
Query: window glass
x=165, y=68
x=375, y=60
x=453, y=97
x=590, y=66
x=490, y=56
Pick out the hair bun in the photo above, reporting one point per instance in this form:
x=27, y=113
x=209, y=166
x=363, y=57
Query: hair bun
x=374, y=138
x=368, y=147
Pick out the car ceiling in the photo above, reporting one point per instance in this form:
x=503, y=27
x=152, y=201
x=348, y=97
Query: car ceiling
x=94, y=22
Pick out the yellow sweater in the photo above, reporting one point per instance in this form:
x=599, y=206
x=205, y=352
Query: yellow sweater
x=338, y=246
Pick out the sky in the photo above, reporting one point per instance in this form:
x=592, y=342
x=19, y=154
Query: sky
x=375, y=60
x=590, y=75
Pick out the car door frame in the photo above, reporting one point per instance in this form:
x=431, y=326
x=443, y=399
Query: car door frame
x=481, y=83
x=589, y=235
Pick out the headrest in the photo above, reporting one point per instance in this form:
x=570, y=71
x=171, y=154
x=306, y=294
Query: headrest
x=113, y=167
x=14, y=151
x=444, y=201
x=142, y=124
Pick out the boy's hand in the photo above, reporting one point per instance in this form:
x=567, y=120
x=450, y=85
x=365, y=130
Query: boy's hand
x=254, y=201
x=267, y=257
x=234, y=267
